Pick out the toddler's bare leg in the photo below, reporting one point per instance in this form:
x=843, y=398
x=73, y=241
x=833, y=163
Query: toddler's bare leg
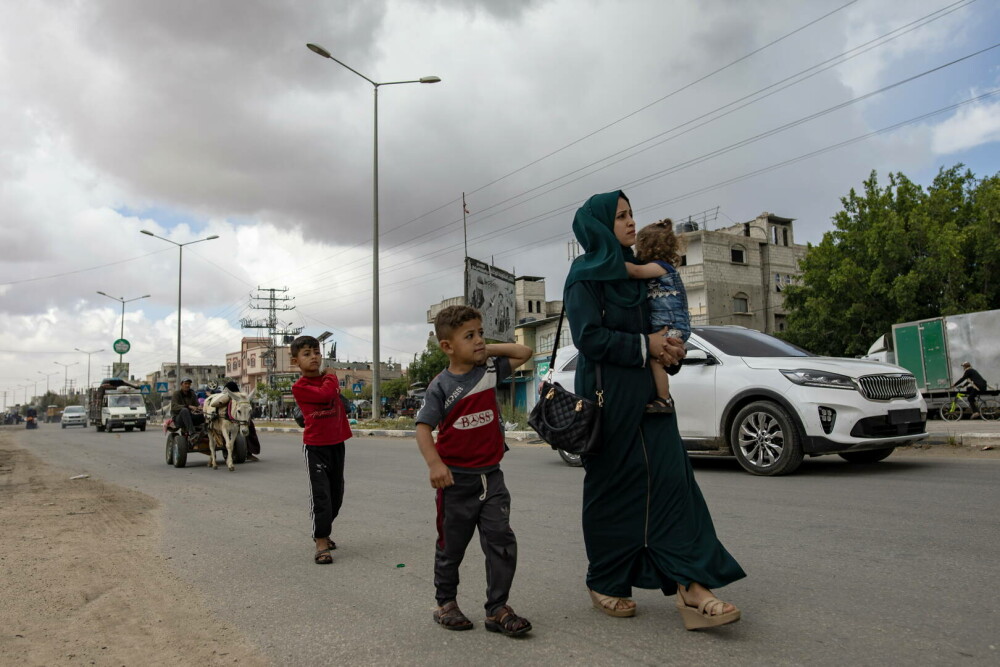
x=661, y=379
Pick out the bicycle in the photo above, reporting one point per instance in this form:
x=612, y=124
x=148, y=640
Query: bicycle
x=989, y=408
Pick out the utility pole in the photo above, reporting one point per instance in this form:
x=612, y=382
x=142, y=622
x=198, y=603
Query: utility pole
x=272, y=300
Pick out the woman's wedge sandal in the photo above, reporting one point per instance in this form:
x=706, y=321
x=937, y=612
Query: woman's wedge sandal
x=612, y=606
x=701, y=617
x=450, y=617
x=508, y=623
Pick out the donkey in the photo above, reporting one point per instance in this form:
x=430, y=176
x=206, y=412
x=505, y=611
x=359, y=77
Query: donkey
x=224, y=414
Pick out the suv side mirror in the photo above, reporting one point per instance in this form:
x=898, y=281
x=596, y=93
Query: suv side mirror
x=698, y=357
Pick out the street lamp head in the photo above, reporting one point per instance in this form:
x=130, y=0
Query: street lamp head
x=102, y=293
x=430, y=79
x=213, y=236
x=145, y=296
x=316, y=48
x=146, y=232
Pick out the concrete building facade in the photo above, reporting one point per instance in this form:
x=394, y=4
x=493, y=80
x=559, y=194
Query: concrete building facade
x=737, y=274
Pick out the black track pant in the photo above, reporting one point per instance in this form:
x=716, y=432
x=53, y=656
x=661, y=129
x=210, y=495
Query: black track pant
x=483, y=502
x=326, y=485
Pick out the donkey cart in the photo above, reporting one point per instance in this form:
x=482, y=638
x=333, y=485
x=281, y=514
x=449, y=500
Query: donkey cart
x=179, y=446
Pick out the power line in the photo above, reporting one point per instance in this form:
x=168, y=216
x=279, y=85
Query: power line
x=804, y=74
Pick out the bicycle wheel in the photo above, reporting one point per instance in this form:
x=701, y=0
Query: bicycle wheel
x=989, y=409
x=951, y=412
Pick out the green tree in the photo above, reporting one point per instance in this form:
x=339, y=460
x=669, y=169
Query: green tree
x=898, y=254
x=429, y=363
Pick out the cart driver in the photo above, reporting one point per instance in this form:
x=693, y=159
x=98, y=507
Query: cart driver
x=184, y=408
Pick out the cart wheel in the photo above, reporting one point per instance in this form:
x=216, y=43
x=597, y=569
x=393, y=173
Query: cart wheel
x=170, y=449
x=240, y=450
x=180, y=450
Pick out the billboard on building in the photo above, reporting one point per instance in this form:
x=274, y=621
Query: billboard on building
x=491, y=291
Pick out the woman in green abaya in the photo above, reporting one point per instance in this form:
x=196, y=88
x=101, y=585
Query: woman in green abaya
x=645, y=522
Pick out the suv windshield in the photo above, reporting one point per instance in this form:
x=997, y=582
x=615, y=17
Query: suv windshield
x=749, y=343
x=70, y=409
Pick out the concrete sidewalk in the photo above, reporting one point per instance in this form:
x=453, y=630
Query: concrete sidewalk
x=976, y=433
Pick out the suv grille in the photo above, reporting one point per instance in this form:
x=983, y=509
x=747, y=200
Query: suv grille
x=888, y=387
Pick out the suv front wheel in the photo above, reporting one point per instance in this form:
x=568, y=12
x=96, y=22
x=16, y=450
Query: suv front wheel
x=765, y=440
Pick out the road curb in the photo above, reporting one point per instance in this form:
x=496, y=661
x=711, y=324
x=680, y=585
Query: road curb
x=971, y=440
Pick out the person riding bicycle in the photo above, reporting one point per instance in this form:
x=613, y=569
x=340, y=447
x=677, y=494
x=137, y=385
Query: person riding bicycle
x=974, y=384
x=185, y=409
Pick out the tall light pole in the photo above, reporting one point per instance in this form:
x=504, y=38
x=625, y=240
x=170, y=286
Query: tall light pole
x=88, y=362
x=66, y=375
x=180, y=274
x=376, y=373
x=123, y=302
x=47, y=376
x=34, y=392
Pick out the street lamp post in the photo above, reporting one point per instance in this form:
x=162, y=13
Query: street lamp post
x=123, y=302
x=34, y=392
x=66, y=375
x=180, y=274
x=376, y=379
x=88, y=362
x=47, y=376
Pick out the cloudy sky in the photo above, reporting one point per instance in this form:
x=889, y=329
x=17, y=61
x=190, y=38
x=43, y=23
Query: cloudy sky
x=198, y=118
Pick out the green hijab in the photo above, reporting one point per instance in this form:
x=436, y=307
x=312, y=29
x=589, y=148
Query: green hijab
x=604, y=256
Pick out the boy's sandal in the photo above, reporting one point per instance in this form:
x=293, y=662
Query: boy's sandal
x=661, y=405
x=612, y=606
x=708, y=614
x=508, y=623
x=330, y=544
x=451, y=617
x=323, y=557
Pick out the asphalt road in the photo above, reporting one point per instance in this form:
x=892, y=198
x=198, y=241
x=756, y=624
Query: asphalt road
x=889, y=563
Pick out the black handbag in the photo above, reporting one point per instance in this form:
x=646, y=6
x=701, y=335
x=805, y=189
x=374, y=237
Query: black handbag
x=564, y=420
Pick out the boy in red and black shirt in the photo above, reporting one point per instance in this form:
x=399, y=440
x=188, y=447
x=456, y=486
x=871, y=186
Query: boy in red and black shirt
x=317, y=393
x=464, y=463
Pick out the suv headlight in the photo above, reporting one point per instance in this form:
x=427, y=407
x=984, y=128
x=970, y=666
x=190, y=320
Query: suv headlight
x=811, y=378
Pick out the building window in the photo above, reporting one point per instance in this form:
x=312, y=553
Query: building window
x=530, y=303
x=684, y=260
x=741, y=304
x=784, y=235
x=253, y=361
x=544, y=343
x=738, y=254
x=538, y=307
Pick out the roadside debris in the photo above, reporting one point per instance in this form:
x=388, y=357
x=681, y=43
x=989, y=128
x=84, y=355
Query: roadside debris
x=79, y=476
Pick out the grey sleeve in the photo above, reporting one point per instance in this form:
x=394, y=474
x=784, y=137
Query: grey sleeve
x=432, y=411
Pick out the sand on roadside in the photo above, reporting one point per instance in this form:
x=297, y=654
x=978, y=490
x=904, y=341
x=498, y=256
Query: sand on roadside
x=84, y=581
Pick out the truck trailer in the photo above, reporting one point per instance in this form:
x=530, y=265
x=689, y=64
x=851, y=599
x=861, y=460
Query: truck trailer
x=934, y=349
x=116, y=404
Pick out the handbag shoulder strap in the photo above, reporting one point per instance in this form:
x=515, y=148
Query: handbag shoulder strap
x=555, y=344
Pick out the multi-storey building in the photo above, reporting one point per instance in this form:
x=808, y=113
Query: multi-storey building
x=200, y=374
x=737, y=274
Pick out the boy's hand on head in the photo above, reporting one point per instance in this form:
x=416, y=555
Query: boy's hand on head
x=440, y=475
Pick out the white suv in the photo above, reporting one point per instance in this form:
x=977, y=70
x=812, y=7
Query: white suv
x=74, y=415
x=744, y=393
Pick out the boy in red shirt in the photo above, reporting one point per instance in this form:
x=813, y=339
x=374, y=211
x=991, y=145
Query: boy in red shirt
x=317, y=393
x=464, y=463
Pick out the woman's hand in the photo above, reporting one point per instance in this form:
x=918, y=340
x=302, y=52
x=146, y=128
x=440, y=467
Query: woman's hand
x=668, y=351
